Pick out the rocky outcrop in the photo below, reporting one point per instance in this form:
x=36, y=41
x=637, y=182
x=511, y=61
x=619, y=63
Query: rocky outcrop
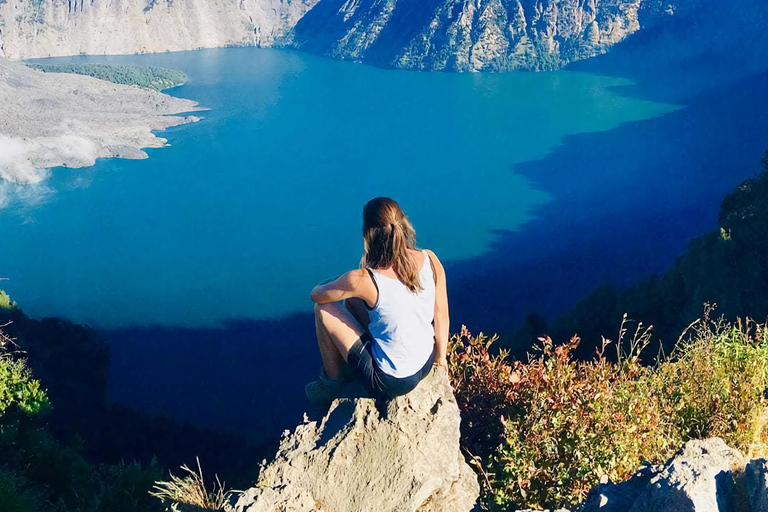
x=466, y=35
x=53, y=119
x=46, y=28
x=363, y=455
x=704, y=476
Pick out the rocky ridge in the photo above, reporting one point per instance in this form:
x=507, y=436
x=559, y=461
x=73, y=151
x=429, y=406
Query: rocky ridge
x=363, y=455
x=703, y=476
x=447, y=35
x=48, y=28
x=466, y=35
x=55, y=119
x=451, y=35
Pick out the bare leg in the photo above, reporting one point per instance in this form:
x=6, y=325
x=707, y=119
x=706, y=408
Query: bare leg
x=337, y=330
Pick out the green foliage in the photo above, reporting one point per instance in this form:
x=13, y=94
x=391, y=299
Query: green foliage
x=17, y=387
x=5, y=301
x=714, y=384
x=149, y=77
x=544, y=432
x=70, y=455
x=15, y=494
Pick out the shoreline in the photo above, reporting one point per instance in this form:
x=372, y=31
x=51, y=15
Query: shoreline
x=68, y=120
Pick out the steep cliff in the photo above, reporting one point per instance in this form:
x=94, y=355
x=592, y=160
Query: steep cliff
x=453, y=35
x=466, y=35
x=46, y=28
x=450, y=35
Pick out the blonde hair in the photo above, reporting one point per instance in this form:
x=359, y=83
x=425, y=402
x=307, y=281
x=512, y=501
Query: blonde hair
x=387, y=236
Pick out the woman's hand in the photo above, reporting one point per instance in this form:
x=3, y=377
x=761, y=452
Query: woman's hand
x=440, y=361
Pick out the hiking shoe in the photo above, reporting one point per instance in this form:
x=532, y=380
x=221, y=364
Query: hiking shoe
x=324, y=390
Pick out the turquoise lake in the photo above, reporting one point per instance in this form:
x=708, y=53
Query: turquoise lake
x=195, y=265
x=246, y=210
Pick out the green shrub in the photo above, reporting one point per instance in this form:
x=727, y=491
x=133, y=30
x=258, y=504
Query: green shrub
x=15, y=495
x=544, y=432
x=5, y=301
x=17, y=387
x=40, y=474
x=714, y=384
x=149, y=77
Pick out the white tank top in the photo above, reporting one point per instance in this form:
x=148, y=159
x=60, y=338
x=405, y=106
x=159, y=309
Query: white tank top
x=401, y=323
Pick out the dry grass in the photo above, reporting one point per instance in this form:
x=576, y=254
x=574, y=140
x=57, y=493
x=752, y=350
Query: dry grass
x=191, y=491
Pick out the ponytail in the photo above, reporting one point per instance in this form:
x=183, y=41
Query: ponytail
x=387, y=237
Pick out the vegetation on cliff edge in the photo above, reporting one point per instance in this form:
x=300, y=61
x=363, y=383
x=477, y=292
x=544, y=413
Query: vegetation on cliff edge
x=546, y=429
x=149, y=77
x=543, y=432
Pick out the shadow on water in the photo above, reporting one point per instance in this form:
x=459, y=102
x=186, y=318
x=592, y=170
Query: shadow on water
x=627, y=201
x=246, y=377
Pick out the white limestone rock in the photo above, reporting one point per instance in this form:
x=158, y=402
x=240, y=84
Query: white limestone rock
x=49, y=28
x=699, y=478
x=402, y=458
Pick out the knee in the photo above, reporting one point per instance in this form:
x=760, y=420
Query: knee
x=320, y=308
x=323, y=311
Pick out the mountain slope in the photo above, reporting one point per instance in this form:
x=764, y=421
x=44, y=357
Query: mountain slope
x=46, y=28
x=466, y=35
x=450, y=35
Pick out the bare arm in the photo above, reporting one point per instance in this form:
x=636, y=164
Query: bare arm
x=354, y=283
x=442, y=320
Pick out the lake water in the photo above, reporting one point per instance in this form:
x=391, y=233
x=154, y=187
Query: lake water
x=196, y=264
x=248, y=209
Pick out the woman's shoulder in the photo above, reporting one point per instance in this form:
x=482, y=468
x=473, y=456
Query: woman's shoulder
x=435, y=261
x=432, y=255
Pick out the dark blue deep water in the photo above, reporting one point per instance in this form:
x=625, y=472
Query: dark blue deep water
x=196, y=264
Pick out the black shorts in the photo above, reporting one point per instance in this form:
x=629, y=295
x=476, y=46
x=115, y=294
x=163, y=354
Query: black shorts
x=378, y=383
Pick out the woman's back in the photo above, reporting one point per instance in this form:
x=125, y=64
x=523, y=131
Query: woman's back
x=401, y=320
x=393, y=347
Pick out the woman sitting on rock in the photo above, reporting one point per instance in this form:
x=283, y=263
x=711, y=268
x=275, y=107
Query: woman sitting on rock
x=386, y=323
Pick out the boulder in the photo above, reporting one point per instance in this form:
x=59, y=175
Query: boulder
x=699, y=478
x=363, y=455
x=610, y=497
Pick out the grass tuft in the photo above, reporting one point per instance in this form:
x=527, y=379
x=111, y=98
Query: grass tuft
x=191, y=491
